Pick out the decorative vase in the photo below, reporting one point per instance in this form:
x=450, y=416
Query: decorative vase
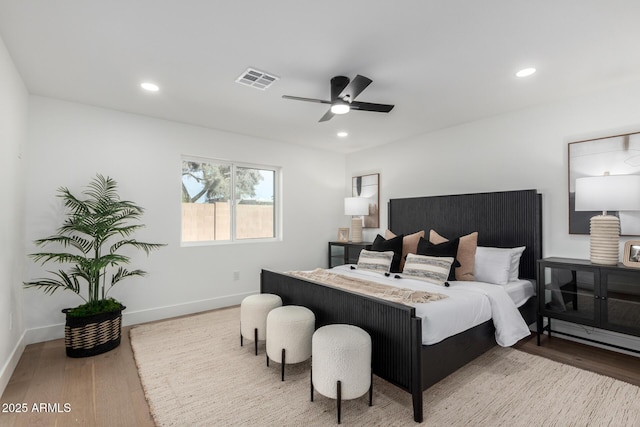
x=91, y=335
x=605, y=237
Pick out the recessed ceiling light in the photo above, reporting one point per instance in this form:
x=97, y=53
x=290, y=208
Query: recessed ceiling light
x=525, y=72
x=151, y=87
x=343, y=134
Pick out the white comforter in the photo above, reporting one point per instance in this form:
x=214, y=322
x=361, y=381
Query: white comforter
x=468, y=304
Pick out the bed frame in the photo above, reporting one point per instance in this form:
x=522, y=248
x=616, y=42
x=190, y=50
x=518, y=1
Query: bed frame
x=502, y=219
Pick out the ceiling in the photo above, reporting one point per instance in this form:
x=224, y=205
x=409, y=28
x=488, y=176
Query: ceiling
x=441, y=62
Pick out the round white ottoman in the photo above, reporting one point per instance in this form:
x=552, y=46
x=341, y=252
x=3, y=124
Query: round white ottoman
x=341, y=363
x=289, y=332
x=253, y=316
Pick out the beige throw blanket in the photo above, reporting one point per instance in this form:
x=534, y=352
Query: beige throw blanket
x=366, y=287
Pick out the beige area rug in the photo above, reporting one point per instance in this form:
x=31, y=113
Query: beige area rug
x=195, y=373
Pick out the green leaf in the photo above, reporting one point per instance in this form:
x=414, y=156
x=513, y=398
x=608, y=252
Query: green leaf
x=92, y=233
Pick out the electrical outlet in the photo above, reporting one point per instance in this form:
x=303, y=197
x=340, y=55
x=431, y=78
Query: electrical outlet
x=236, y=275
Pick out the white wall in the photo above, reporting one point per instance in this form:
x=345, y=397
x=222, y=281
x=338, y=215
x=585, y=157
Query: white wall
x=13, y=134
x=520, y=150
x=70, y=143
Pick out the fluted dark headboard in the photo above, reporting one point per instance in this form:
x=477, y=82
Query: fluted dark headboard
x=503, y=219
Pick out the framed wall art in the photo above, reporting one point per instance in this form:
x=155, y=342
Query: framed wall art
x=368, y=186
x=615, y=155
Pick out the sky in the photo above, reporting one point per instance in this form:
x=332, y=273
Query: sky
x=264, y=189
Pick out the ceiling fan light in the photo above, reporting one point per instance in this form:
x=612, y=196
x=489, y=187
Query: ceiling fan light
x=340, y=108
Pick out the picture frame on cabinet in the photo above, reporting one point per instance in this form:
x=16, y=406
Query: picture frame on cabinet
x=343, y=234
x=631, y=254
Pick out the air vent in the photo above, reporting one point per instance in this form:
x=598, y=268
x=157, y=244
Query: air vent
x=256, y=78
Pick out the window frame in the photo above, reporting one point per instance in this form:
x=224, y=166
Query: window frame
x=277, y=205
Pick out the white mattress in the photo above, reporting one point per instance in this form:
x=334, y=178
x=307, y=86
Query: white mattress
x=468, y=304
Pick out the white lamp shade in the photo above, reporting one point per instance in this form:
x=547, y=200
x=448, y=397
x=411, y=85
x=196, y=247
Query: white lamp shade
x=356, y=206
x=608, y=193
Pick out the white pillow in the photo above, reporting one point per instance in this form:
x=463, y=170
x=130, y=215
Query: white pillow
x=497, y=265
x=427, y=268
x=378, y=262
x=516, y=253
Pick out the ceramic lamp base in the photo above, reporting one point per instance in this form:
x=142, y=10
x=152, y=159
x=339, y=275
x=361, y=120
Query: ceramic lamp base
x=605, y=237
x=356, y=229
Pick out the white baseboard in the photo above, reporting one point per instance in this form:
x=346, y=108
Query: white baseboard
x=52, y=332
x=44, y=333
x=12, y=362
x=159, y=313
x=589, y=332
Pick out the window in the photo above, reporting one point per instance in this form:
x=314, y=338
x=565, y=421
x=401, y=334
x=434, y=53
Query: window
x=227, y=201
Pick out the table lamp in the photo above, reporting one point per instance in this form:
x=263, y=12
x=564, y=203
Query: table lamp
x=607, y=193
x=356, y=207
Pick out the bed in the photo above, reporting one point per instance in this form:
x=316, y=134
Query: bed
x=502, y=219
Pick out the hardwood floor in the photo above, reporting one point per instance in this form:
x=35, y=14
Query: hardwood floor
x=605, y=362
x=105, y=390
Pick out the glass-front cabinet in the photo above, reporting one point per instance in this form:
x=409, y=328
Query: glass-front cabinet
x=569, y=291
x=577, y=291
x=621, y=294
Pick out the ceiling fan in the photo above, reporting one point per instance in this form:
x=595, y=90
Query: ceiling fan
x=343, y=94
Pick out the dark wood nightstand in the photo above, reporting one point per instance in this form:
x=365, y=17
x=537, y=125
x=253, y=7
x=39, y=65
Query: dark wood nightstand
x=345, y=252
x=602, y=296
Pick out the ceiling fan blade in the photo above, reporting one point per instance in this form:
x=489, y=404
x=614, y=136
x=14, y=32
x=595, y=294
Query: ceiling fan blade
x=327, y=116
x=368, y=106
x=343, y=91
x=357, y=85
x=338, y=85
x=298, y=98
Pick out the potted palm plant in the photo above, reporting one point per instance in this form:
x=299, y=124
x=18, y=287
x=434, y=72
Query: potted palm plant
x=96, y=228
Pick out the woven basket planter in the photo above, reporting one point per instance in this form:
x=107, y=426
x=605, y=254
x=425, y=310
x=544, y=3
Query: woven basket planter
x=92, y=335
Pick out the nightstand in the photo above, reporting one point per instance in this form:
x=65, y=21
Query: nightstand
x=345, y=252
x=577, y=291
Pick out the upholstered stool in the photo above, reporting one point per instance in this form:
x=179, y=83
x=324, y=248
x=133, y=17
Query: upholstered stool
x=289, y=332
x=253, y=316
x=341, y=363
